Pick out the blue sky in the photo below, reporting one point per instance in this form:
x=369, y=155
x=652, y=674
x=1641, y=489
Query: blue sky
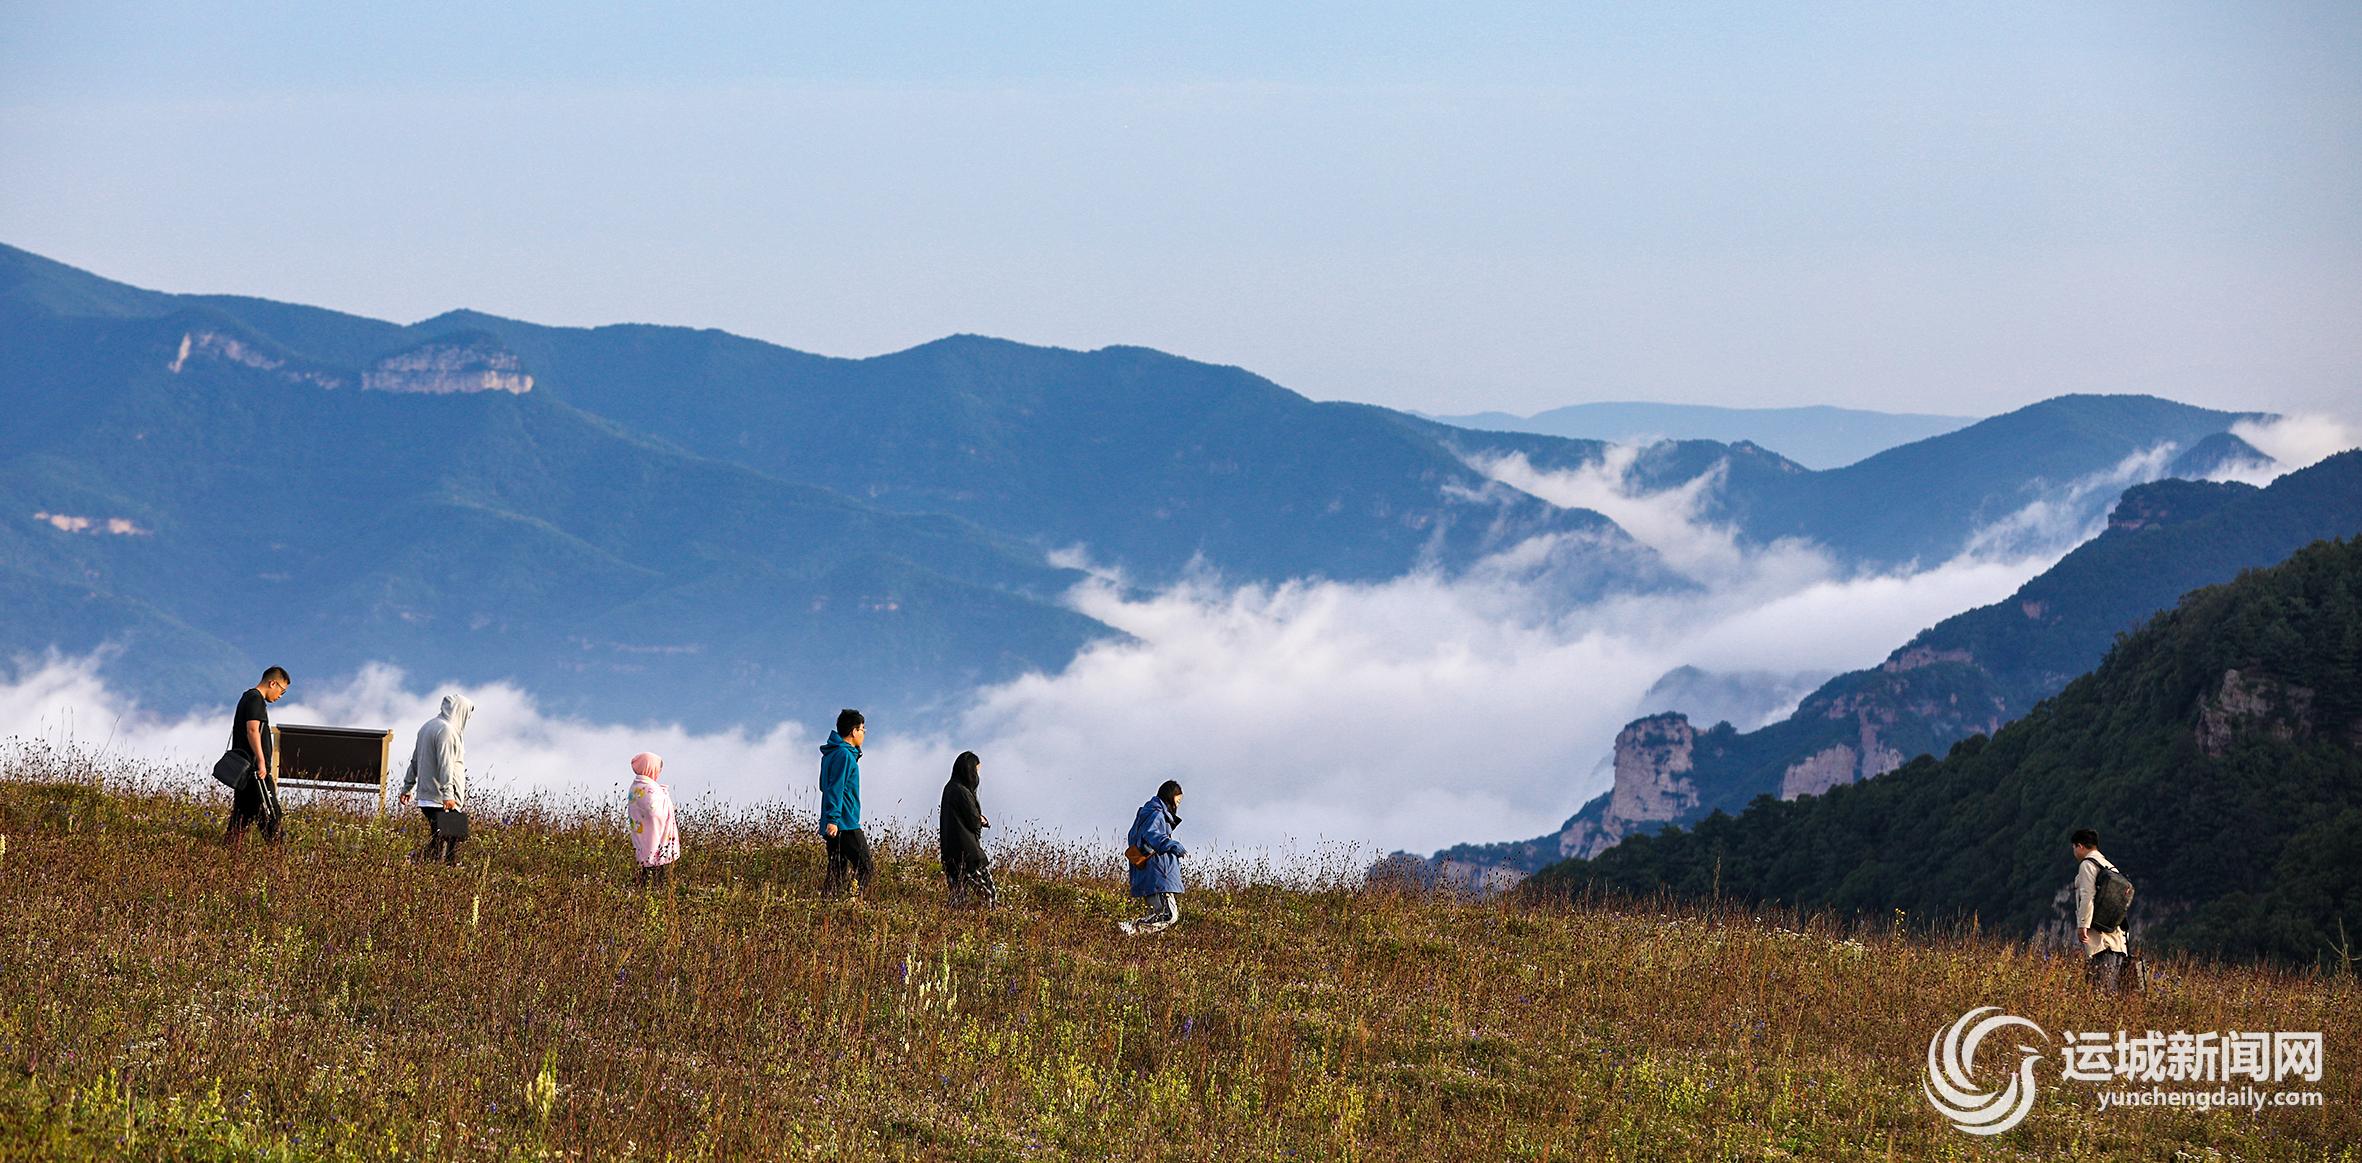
x=1917, y=207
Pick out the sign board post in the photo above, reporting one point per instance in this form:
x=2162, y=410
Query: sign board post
x=335, y=758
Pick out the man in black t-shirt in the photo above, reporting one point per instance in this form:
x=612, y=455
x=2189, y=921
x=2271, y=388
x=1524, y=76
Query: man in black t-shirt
x=257, y=799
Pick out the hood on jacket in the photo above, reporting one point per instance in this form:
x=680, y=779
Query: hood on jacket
x=837, y=742
x=456, y=709
x=963, y=770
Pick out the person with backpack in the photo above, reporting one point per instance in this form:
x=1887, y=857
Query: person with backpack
x=251, y=768
x=656, y=830
x=966, y=869
x=840, y=805
x=1156, y=860
x=2102, y=897
x=438, y=776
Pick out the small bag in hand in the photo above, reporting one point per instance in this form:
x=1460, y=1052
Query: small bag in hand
x=451, y=825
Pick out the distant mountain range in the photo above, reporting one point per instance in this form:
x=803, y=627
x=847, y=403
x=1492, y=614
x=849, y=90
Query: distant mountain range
x=2217, y=750
x=1815, y=437
x=2016, y=482
x=654, y=522
x=664, y=523
x=1968, y=675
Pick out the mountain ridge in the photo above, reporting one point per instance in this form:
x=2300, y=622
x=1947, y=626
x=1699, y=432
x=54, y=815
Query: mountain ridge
x=2235, y=713
x=1969, y=674
x=439, y=502
x=1820, y=436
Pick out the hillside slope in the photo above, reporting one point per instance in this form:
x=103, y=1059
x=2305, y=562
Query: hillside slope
x=2218, y=751
x=328, y=1001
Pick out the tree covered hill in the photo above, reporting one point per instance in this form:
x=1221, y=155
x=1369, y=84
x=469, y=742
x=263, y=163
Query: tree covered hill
x=2218, y=751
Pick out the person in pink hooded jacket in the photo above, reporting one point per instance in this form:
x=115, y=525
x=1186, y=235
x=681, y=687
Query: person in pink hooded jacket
x=656, y=833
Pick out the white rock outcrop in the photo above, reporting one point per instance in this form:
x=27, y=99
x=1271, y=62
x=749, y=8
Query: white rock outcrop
x=441, y=369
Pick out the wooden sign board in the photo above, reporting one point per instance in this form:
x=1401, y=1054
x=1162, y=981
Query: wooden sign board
x=335, y=758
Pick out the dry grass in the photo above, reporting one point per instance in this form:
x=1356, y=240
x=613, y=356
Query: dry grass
x=325, y=1000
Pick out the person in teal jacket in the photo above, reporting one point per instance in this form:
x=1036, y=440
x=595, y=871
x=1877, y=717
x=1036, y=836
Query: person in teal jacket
x=1157, y=876
x=840, y=804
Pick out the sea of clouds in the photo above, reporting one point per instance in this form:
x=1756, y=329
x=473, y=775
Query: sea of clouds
x=1302, y=718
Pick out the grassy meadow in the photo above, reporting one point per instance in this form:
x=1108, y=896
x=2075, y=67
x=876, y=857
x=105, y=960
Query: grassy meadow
x=325, y=999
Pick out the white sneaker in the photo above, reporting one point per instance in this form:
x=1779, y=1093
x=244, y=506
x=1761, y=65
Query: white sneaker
x=1127, y=928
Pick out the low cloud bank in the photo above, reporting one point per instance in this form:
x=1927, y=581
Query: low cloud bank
x=513, y=747
x=1412, y=713
x=2293, y=442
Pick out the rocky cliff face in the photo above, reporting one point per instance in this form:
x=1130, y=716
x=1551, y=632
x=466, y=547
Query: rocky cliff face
x=1912, y=658
x=1652, y=756
x=1836, y=766
x=1654, y=759
x=449, y=368
x=1839, y=764
x=199, y=347
x=1873, y=712
x=2253, y=701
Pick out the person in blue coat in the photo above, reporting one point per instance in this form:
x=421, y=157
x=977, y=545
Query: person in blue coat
x=1156, y=857
x=840, y=805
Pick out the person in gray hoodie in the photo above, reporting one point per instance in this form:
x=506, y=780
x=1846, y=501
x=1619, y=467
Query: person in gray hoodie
x=438, y=775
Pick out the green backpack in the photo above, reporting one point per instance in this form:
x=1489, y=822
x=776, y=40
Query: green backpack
x=2111, y=898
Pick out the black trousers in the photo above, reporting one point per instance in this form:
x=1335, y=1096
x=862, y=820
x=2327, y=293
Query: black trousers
x=2103, y=970
x=436, y=847
x=848, y=857
x=250, y=809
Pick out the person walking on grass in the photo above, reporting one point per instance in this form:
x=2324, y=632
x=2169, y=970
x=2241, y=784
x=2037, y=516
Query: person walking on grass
x=1156, y=860
x=840, y=804
x=966, y=869
x=2102, y=935
x=438, y=777
x=656, y=834
x=254, y=799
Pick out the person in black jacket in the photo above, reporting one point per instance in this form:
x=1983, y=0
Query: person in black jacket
x=965, y=867
x=255, y=802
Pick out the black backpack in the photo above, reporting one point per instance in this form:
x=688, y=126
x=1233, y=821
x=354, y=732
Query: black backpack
x=2111, y=898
